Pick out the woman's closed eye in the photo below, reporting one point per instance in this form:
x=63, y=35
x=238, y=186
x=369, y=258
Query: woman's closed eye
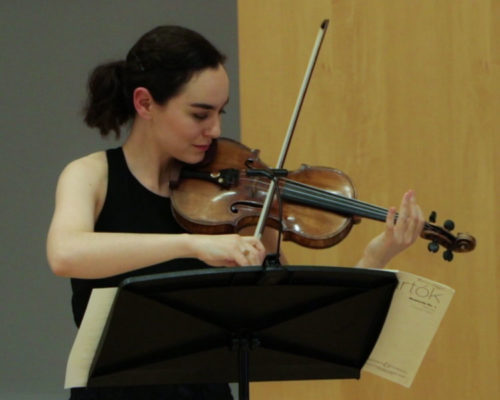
x=201, y=116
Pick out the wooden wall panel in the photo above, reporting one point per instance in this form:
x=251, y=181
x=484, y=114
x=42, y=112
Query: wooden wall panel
x=406, y=94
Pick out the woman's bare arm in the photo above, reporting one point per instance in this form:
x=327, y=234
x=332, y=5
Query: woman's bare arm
x=75, y=250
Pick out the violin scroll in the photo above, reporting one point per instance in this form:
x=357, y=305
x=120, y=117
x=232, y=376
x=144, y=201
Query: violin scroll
x=461, y=243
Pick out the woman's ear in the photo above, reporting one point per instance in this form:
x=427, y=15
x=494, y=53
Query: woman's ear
x=143, y=102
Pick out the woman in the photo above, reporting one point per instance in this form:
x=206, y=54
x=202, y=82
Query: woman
x=112, y=215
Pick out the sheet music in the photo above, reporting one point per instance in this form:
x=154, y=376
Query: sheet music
x=416, y=311
x=88, y=337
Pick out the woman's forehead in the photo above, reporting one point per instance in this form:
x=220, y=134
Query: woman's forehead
x=210, y=85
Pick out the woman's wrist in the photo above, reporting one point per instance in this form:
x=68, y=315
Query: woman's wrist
x=375, y=256
x=188, y=246
x=370, y=262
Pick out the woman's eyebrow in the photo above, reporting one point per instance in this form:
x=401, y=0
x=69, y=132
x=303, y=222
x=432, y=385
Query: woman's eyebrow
x=202, y=105
x=206, y=106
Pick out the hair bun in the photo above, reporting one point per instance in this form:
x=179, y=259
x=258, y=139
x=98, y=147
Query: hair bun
x=107, y=107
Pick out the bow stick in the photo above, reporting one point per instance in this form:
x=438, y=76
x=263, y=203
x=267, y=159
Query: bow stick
x=291, y=127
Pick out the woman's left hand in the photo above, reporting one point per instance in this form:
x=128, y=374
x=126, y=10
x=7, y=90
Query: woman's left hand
x=398, y=235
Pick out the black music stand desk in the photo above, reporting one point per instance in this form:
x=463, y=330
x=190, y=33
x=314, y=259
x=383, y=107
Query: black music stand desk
x=242, y=324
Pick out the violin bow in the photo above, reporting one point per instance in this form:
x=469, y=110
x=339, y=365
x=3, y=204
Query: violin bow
x=259, y=229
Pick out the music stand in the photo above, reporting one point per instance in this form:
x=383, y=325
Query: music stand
x=241, y=325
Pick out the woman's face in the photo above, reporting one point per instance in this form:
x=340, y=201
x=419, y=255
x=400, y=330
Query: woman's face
x=186, y=125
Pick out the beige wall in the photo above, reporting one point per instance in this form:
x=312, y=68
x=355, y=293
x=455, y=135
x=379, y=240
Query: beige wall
x=406, y=94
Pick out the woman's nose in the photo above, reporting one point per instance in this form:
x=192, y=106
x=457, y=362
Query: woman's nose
x=214, y=131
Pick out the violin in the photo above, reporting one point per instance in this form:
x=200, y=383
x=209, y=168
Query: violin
x=315, y=207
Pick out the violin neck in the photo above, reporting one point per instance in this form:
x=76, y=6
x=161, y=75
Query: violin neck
x=318, y=198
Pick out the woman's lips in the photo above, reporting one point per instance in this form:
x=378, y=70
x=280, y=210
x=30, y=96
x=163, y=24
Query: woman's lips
x=203, y=147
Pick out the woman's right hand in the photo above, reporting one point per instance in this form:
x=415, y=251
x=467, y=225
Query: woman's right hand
x=228, y=250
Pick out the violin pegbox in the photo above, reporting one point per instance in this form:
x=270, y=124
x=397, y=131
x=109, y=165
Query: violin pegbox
x=437, y=235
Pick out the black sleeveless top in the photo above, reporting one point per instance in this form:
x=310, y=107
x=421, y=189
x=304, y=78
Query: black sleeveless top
x=131, y=207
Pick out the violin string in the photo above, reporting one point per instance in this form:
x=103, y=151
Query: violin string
x=322, y=198
x=350, y=205
x=333, y=201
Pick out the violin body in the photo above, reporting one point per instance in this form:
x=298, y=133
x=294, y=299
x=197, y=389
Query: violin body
x=204, y=207
x=315, y=207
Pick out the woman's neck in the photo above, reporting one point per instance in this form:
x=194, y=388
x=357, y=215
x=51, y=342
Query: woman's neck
x=146, y=162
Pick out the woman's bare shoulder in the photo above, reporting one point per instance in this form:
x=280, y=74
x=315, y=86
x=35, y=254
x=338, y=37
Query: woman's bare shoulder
x=91, y=166
x=83, y=182
x=84, y=177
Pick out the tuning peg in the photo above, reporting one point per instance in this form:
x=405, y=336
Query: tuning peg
x=433, y=216
x=433, y=246
x=449, y=225
x=448, y=255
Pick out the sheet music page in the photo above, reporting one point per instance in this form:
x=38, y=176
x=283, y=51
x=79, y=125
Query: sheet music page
x=416, y=310
x=88, y=337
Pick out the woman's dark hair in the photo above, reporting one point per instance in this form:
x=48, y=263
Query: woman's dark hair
x=163, y=61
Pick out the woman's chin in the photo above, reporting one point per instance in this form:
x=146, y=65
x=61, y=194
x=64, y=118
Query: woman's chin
x=194, y=158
